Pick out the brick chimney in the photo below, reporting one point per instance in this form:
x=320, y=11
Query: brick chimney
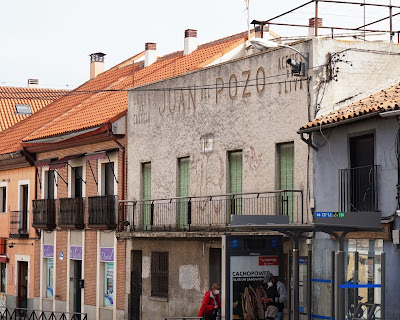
x=150, y=54
x=96, y=64
x=190, y=41
x=311, y=25
x=33, y=83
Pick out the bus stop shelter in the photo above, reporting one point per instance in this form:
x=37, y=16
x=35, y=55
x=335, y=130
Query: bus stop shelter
x=336, y=224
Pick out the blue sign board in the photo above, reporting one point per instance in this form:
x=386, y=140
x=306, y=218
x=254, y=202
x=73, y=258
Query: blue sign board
x=329, y=214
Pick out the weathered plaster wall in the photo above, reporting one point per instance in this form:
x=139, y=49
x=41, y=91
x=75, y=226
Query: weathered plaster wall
x=250, y=104
x=362, y=68
x=188, y=276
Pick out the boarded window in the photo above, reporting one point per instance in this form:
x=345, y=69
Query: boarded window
x=159, y=274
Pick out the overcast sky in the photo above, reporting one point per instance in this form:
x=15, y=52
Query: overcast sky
x=51, y=39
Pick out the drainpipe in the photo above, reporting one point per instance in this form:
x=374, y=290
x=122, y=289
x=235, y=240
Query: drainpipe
x=122, y=148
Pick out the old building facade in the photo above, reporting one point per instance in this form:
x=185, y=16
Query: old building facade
x=223, y=142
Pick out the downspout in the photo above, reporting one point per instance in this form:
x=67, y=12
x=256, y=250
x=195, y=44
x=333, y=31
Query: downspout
x=122, y=148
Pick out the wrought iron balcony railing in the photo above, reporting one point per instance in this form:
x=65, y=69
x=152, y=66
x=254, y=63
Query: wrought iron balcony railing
x=44, y=213
x=102, y=211
x=358, y=189
x=72, y=213
x=207, y=212
x=19, y=224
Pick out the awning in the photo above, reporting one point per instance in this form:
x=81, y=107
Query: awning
x=3, y=259
x=42, y=163
x=95, y=156
x=70, y=157
x=57, y=165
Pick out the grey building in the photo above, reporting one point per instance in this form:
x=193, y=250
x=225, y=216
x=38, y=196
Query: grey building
x=223, y=141
x=356, y=169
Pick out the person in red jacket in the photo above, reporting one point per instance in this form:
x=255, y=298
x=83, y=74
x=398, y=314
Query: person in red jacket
x=211, y=303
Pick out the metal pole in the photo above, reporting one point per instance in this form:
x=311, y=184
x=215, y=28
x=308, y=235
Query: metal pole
x=289, y=288
x=296, y=280
x=383, y=287
x=316, y=19
x=332, y=285
x=391, y=22
x=355, y=279
x=309, y=283
x=339, y=279
x=364, y=19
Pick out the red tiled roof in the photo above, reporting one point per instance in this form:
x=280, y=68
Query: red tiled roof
x=94, y=103
x=382, y=101
x=36, y=98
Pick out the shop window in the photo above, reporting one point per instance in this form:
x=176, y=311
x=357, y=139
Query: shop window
x=3, y=280
x=159, y=274
x=49, y=277
x=108, y=284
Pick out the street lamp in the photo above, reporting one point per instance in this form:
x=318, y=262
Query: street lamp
x=298, y=68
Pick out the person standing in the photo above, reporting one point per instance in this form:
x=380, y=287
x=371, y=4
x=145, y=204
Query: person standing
x=276, y=293
x=211, y=303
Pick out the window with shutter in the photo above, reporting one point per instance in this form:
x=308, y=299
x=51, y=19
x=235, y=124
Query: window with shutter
x=286, y=177
x=183, y=191
x=146, y=194
x=235, y=180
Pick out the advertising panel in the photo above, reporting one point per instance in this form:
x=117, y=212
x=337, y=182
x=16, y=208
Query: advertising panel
x=247, y=287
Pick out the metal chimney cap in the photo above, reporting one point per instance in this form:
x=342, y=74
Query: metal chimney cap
x=97, y=57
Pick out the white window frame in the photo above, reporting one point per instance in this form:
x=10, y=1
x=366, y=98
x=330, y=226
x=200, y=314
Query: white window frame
x=21, y=183
x=100, y=172
x=22, y=258
x=80, y=162
x=44, y=183
x=4, y=185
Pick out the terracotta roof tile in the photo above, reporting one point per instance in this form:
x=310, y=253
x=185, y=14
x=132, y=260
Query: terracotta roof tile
x=36, y=98
x=92, y=104
x=384, y=100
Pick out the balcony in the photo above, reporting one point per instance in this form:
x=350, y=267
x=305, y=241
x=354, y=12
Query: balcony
x=71, y=213
x=44, y=213
x=358, y=189
x=102, y=211
x=208, y=213
x=19, y=224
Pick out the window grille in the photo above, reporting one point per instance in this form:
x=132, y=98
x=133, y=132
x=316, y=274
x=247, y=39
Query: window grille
x=159, y=274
